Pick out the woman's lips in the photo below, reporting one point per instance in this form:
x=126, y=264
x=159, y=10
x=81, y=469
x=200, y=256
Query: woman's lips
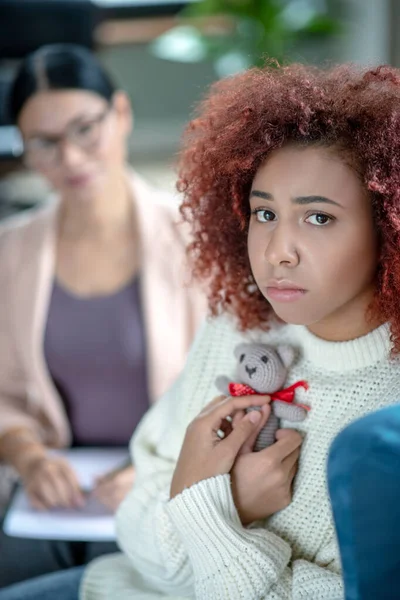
x=284, y=294
x=79, y=180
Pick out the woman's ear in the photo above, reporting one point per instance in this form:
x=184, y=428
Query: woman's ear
x=123, y=109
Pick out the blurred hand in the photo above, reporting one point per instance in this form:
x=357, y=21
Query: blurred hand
x=111, y=490
x=50, y=482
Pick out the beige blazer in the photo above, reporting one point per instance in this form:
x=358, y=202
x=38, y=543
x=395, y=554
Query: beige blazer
x=173, y=307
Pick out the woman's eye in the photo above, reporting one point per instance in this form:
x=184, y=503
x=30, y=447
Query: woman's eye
x=263, y=216
x=319, y=219
x=85, y=129
x=40, y=144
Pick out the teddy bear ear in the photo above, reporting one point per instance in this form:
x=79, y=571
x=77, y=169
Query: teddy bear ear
x=286, y=353
x=240, y=349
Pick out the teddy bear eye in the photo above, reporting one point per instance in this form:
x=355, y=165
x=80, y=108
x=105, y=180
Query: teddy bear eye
x=242, y=357
x=264, y=359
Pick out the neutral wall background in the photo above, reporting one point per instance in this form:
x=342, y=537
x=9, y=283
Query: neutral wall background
x=164, y=93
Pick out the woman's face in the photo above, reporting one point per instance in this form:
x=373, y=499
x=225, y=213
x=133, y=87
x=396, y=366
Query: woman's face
x=75, y=139
x=312, y=243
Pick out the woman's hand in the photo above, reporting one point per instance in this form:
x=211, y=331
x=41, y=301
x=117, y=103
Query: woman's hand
x=50, y=482
x=111, y=490
x=262, y=481
x=204, y=454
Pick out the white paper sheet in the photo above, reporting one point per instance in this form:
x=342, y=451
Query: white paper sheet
x=93, y=522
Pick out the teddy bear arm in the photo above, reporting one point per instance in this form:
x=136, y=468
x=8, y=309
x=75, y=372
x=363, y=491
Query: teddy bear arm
x=289, y=412
x=222, y=384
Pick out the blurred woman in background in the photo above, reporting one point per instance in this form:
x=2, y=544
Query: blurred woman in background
x=97, y=312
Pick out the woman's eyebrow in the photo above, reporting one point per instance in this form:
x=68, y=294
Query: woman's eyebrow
x=314, y=199
x=259, y=194
x=298, y=200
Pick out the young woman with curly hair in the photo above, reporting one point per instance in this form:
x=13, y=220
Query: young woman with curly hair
x=291, y=180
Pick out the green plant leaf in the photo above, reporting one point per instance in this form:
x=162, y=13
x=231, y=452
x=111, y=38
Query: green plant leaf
x=322, y=25
x=260, y=28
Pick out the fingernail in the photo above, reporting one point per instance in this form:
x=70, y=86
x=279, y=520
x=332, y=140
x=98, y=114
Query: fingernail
x=254, y=416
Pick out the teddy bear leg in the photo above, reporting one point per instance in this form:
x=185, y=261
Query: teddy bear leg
x=266, y=437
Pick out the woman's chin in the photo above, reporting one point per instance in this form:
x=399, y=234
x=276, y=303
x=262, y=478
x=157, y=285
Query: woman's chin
x=87, y=193
x=293, y=317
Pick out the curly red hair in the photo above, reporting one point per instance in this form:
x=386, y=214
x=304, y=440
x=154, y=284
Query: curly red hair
x=241, y=121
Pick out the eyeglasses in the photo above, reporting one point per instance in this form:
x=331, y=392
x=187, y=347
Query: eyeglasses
x=84, y=133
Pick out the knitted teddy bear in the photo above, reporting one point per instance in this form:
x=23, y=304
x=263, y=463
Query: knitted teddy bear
x=263, y=369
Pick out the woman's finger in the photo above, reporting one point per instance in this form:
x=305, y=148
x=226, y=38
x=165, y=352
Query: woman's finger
x=61, y=489
x=211, y=404
x=63, y=481
x=100, y=490
x=47, y=494
x=229, y=406
x=290, y=462
x=111, y=499
x=292, y=472
x=234, y=442
x=237, y=417
x=111, y=493
x=248, y=446
x=74, y=491
x=288, y=440
x=74, y=486
x=36, y=503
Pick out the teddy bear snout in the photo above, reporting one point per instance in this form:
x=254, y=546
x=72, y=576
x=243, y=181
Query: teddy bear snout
x=250, y=371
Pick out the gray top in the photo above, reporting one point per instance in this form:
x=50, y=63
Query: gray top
x=95, y=350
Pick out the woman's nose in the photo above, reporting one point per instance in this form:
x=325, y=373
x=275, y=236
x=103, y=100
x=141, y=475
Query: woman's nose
x=281, y=247
x=70, y=154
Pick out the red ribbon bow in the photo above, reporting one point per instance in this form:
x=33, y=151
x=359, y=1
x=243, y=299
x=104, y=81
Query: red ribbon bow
x=285, y=395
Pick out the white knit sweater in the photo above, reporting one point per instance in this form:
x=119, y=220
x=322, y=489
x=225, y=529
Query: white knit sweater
x=195, y=546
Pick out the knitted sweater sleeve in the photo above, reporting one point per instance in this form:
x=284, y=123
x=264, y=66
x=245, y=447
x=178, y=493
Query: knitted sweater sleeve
x=145, y=532
x=230, y=561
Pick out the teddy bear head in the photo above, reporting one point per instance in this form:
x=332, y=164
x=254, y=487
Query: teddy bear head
x=263, y=367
